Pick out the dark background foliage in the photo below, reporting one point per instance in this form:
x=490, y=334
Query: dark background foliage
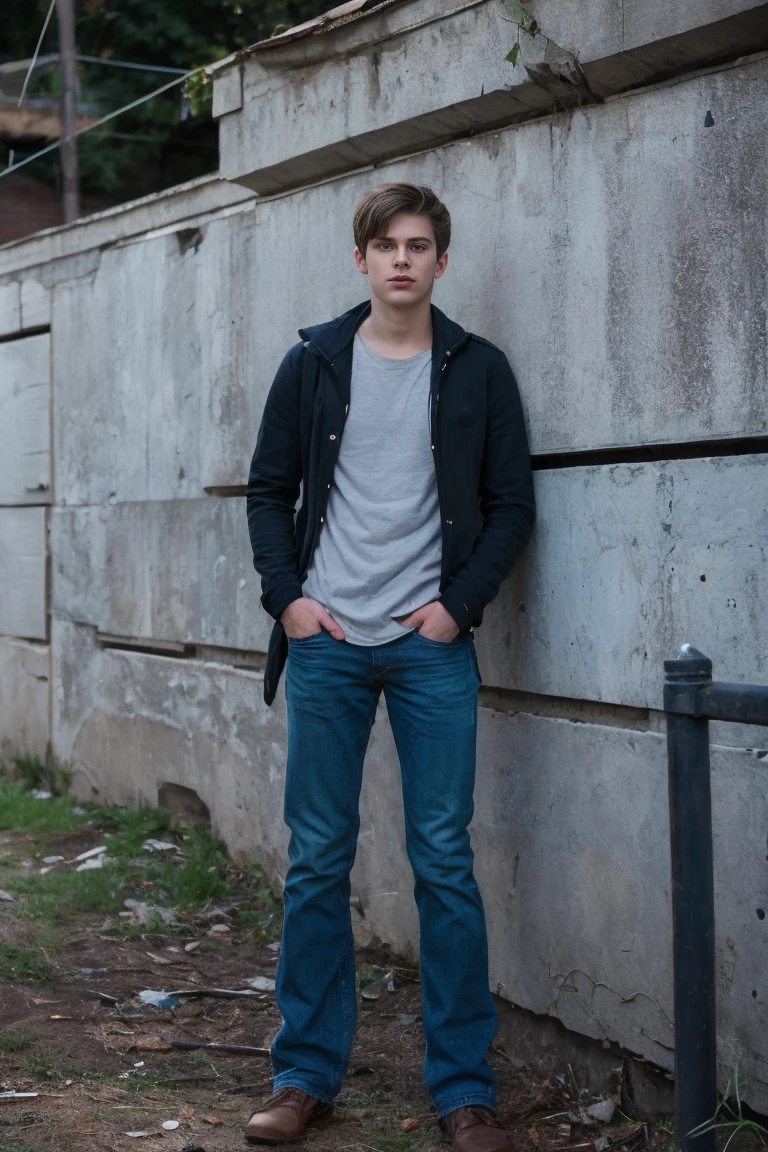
x=170, y=138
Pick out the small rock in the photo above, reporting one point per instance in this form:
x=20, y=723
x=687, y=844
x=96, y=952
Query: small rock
x=219, y=930
x=169, y=1125
x=261, y=983
x=159, y=846
x=52, y=859
x=193, y=944
x=411, y=1124
x=603, y=1111
x=98, y=851
x=6, y=896
x=274, y=947
x=602, y=1144
x=94, y=862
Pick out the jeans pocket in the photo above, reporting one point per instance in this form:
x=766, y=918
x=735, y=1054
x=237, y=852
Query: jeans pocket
x=306, y=639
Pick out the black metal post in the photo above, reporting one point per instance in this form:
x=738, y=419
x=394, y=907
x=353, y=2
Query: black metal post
x=693, y=912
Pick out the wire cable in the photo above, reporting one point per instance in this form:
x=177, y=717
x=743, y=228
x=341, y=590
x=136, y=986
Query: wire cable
x=30, y=70
x=130, y=64
x=103, y=120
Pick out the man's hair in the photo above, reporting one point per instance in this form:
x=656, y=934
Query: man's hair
x=377, y=207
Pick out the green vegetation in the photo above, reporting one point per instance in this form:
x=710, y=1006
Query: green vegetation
x=196, y=874
x=14, y=1039
x=729, y=1116
x=23, y=962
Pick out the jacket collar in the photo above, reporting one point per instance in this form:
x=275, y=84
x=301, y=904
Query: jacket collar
x=335, y=337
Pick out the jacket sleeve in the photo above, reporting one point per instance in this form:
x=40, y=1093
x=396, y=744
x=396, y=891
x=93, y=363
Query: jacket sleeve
x=273, y=488
x=507, y=503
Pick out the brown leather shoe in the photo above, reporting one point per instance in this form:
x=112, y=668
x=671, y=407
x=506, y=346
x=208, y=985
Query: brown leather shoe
x=475, y=1129
x=285, y=1116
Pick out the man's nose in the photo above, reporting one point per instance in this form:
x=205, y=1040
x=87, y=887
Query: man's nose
x=402, y=257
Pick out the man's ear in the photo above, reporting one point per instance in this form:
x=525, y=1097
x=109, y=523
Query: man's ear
x=360, y=261
x=441, y=265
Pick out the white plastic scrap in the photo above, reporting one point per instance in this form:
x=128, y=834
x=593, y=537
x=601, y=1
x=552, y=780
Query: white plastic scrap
x=40, y=794
x=91, y=852
x=6, y=896
x=603, y=1111
x=261, y=983
x=159, y=846
x=169, y=1125
x=94, y=862
x=53, y=859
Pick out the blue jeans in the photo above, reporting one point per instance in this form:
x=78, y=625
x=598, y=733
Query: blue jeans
x=332, y=689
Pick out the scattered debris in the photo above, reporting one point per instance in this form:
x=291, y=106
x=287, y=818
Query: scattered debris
x=78, y=811
x=216, y=1046
x=105, y=997
x=99, y=851
x=212, y=1120
x=136, y=1135
x=411, y=1124
x=94, y=972
x=94, y=862
x=53, y=859
x=150, y=1045
x=39, y=1000
x=602, y=1144
x=192, y=946
x=159, y=846
x=26, y=863
x=61, y=1017
x=17, y=1095
x=219, y=930
x=274, y=947
x=533, y=1136
x=40, y=794
x=261, y=983
x=159, y=959
x=6, y=896
x=157, y=999
x=169, y=1125
x=373, y=990
x=145, y=913
x=187, y=1113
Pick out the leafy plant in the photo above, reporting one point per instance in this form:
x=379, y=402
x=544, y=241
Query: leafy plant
x=14, y=1039
x=737, y=1121
x=525, y=23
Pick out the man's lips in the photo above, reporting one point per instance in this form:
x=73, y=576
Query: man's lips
x=400, y=280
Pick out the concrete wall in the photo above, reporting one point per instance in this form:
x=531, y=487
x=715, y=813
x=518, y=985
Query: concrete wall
x=617, y=253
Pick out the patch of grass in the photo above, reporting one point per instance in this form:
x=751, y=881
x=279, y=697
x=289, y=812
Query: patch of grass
x=14, y=1039
x=20, y=811
x=6, y=860
x=54, y=777
x=53, y=898
x=23, y=962
x=399, y=1141
x=47, y=1065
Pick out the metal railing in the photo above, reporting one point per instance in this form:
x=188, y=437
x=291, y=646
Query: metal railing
x=691, y=700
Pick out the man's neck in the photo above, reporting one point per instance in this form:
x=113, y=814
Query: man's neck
x=398, y=332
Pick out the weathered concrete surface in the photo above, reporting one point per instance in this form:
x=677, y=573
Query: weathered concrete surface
x=160, y=570
x=10, y=308
x=602, y=279
x=25, y=432
x=570, y=835
x=35, y=304
x=112, y=225
x=24, y=699
x=610, y=586
x=628, y=562
x=22, y=573
x=415, y=75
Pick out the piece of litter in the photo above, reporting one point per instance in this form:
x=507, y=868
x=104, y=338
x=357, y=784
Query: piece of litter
x=139, y=1064
x=411, y=1124
x=137, y=1134
x=27, y=863
x=39, y=1000
x=52, y=859
x=157, y=999
x=89, y=971
x=158, y=959
x=78, y=811
x=94, y=862
x=40, y=794
x=193, y=944
x=602, y=1144
x=144, y=913
x=61, y=1017
x=17, y=1095
x=533, y=1136
x=159, y=846
x=169, y=1125
x=373, y=990
x=150, y=1045
x=212, y=1120
x=89, y=854
x=187, y=1113
x=219, y=930
x=274, y=947
x=6, y=896
x=67, y=1083
x=261, y=983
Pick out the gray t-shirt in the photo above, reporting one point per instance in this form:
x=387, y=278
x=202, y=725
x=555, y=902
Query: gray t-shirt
x=380, y=548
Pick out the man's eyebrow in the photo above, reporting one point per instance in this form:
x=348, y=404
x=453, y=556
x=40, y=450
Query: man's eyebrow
x=411, y=239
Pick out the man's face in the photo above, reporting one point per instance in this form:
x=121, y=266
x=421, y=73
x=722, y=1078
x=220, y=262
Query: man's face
x=402, y=265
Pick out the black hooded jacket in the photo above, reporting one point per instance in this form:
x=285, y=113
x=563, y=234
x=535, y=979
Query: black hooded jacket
x=482, y=463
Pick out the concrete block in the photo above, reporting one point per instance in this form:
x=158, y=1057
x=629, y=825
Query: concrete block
x=570, y=835
x=414, y=75
x=627, y=563
x=22, y=573
x=35, y=304
x=10, y=308
x=24, y=699
x=160, y=570
x=25, y=463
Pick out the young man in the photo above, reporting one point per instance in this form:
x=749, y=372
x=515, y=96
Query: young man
x=407, y=435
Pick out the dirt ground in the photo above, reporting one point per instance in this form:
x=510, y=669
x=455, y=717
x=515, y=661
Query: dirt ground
x=105, y=1067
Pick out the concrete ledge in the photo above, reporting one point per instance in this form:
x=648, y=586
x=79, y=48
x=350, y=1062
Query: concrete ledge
x=414, y=76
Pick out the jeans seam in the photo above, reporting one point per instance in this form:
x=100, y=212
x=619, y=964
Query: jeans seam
x=290, y=1080
x=484, y=1100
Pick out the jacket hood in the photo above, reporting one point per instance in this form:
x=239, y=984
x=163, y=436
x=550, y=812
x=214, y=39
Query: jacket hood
x=336, y=336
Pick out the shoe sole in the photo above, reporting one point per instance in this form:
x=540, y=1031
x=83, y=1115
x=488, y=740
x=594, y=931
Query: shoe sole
x=266, y=1137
